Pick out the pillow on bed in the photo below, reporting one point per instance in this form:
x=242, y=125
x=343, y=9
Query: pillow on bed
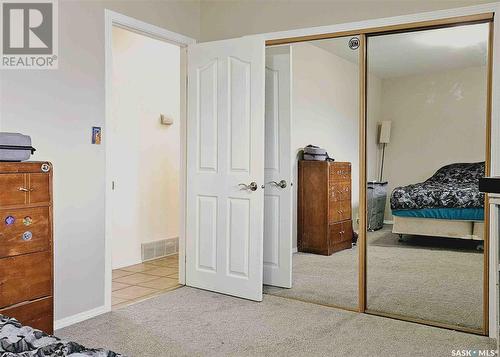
x=459, y=173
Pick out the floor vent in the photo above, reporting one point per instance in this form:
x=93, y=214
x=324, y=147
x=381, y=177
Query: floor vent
x=159, y=248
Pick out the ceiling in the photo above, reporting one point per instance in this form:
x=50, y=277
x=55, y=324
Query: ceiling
x=419, y=52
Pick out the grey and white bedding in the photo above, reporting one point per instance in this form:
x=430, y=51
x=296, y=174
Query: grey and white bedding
x=17, y=340
x=452, y=186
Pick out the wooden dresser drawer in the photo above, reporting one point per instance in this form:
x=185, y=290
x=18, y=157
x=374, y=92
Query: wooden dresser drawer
x=340, y=171
x=25, y=277
x=339, y=211
x=340, y=191
x=29, y=232
x=37, y=314
x=12, y=189
x=340, y=232
x=24, y=188
x=340, y=236
x=39, y=188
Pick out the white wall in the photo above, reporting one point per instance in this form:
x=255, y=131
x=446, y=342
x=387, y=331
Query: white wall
x=58, y=108
x=325, y=111
x=233, y=18
x=437, y=119
x=145, y=163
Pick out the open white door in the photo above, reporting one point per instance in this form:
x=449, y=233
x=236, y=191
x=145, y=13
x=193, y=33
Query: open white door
x=278, y=170
x=225, y=171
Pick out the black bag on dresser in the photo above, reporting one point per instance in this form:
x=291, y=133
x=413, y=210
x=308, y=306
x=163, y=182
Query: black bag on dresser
x=15, y=147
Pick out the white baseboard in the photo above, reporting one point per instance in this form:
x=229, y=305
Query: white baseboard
x=295, y=250
x=388, y=222
x=82, y=316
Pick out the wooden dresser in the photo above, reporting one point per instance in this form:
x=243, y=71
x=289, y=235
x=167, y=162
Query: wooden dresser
x=26, y=249
x=324, y=223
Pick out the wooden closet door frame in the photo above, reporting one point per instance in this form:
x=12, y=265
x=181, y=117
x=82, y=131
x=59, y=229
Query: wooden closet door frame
x=442, y=19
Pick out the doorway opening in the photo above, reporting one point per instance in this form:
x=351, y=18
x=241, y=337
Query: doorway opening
x=145, y=147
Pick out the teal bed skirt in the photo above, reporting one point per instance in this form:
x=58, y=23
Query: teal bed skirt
x=457, y=214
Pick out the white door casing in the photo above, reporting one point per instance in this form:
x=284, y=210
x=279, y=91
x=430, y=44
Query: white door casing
x=225, y=148
x=278, y=200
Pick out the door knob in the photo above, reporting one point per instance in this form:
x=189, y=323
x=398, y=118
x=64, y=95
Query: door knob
x=252, y=186
x=281, y=184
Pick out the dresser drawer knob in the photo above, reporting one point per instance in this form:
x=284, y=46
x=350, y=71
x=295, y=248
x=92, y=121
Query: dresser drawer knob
x=27, y=236
x=24, y=189
x=45, y=167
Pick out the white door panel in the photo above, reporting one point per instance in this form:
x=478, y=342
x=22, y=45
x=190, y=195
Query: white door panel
x=277, y=200
x=224, y=225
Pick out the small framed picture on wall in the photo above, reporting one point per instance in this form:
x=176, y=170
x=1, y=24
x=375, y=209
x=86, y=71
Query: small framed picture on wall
x=96, y=135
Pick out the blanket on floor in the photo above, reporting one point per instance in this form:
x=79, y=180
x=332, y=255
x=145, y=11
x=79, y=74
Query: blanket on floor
x=17, y=340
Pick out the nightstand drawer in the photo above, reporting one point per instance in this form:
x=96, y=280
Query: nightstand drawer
x=37, y=314
x=14, y=190
x=24, y=231
x=25, y=278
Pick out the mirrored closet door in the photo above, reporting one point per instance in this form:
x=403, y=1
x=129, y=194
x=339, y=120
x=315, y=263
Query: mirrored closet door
x=426, y=145
x=312, y=98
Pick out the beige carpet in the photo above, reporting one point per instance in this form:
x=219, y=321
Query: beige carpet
x=191, y=322
x=434, y=279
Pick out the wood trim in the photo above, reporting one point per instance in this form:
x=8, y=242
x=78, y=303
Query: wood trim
x=426, y=322
x=486, y=257
x=362, y=174
x=459, y=20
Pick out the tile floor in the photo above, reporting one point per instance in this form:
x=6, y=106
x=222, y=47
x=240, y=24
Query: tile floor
x=138, y=282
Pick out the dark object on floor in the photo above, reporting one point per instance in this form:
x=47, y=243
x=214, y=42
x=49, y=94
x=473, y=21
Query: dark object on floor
x=19, y=340
x=375, y=201
x=324, y=207
x=315, y=153
x=354, y=238
x=15, y=147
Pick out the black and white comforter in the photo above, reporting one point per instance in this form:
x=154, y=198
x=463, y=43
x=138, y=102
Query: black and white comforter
x=452, y=186
x=17, y=340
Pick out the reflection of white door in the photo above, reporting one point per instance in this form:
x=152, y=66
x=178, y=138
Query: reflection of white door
x=278, y=199
x=225, y=148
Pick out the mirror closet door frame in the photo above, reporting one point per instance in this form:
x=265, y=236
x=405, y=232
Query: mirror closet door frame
x=364, y=35
x=363, y=122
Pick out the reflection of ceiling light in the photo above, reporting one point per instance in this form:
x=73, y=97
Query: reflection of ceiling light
x=455, y=37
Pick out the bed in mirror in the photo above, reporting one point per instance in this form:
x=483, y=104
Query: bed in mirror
x=426, y=151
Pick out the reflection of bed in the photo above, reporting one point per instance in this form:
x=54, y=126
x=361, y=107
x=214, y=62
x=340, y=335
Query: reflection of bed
x=448, y=204
x=19, y=340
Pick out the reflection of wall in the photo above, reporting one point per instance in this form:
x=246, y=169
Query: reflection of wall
x=437, y=119
x=146, y=82
x=325, y=110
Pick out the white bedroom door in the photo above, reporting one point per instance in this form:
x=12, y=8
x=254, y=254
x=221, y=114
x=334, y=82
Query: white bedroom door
x=225, y=171
x=278, y=171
